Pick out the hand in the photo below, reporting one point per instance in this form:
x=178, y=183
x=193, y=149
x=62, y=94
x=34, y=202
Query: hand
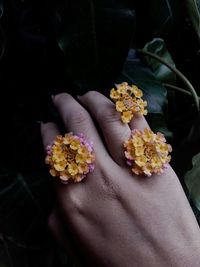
x=117, y=218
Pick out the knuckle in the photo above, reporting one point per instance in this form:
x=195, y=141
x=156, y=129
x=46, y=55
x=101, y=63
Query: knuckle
x=47, y=126
x=91, y=95
x=108, y=115
x=74, y=203
x=59, y=98
x=110, y=188
x=78, y=117
x=123, y=136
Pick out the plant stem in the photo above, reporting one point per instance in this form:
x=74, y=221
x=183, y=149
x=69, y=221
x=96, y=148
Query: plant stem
x=178, y=73
x=176, y=88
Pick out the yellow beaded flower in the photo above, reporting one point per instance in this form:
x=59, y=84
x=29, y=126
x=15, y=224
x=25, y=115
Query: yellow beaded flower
x=128, y=101
x=70, y=157
x=147, y=152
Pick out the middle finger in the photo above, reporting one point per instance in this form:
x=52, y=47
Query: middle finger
x=114, y=131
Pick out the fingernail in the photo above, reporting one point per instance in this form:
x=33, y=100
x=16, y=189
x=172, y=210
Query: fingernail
x=52, y=97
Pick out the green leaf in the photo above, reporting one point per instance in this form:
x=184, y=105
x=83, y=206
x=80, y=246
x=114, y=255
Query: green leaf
x=162, y=72
x=193, y=7
x=135, y=72
x=192, y=180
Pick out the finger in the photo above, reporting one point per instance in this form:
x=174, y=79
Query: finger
x=138, y=122
x=114, y=131
x=77, y=120
x=49, y=131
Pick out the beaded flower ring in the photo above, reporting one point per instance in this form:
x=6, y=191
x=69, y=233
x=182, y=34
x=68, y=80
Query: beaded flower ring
x=128, y=101
x=71, y=157
x=147, y=152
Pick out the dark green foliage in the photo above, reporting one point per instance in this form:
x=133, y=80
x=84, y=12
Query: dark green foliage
x=135, y=72
x=162, y=72
x=95, y=38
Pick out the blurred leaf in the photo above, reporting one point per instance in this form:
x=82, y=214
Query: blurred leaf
x=95, y=38
x=189, y=145
x=159, y=18
x=2, y=35
x=159, y=24
x=76, y=37
x=2, y=41
x=164, y=14
x=1, y=8
x=193, y=7
x=162, y=72
x=158, y=124
x=5, y=257
x=135, y=72
x=192, y=180
x=14, y=256
x=26, y=201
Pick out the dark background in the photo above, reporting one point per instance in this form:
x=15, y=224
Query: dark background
x=75, y=46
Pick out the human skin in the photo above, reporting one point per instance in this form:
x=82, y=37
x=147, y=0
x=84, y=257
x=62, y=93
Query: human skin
x=115, y=217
